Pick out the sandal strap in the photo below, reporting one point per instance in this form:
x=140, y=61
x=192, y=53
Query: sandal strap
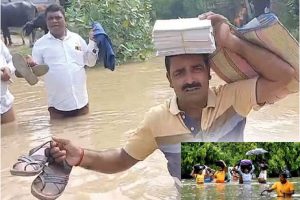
x=36, y=159
x=28, y=159
x=29, y=162
x=52, y=178
x=40, y=158
x=38, y=147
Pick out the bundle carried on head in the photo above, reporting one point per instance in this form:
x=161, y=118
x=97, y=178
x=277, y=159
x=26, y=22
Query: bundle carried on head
x=197, y=168
x=183, y=36
x=246, y=164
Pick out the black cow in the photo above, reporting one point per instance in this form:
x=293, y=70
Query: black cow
x=38, y=22
x=15, y=14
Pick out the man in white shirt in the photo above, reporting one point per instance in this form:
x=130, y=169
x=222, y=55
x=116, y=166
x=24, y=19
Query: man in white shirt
x=7, y=69
x=66, y=54
x=262, y=178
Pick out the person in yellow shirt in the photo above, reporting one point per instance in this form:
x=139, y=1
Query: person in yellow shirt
x=198, y=173
x=284, y=188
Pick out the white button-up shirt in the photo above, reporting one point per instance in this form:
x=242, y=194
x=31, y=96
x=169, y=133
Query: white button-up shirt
x=66, y=79
x=5, y=61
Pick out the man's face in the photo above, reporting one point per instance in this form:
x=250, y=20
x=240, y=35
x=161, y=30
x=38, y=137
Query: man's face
x=282, y=179
x=189, y=78
x=56, y=23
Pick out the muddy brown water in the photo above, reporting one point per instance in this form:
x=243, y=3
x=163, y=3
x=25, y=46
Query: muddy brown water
x=118, y=101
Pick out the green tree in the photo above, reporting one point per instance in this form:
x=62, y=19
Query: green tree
x=127, y=23
x=279, y=156
x=288, y=13
x=170, y=9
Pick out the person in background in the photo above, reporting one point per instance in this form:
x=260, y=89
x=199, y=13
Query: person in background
x=245, y=171
x=208, y=177
x=262, y=178
x=284, y=188
x=220, y=174
x=287, y=171
x=243, y=15
x=234, y=174
x=66, y=54
x=7, y=99
x=261, y=7
x=198, y=173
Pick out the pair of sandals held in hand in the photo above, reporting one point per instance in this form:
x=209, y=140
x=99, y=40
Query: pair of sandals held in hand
x=52, y=176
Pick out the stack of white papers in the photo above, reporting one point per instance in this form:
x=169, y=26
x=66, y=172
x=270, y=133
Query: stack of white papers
x=183, y=36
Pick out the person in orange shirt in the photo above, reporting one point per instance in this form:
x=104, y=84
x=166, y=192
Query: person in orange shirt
x=221, y=172
x=284, y=188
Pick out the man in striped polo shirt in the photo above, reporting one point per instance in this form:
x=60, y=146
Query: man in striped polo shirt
x=196, y=112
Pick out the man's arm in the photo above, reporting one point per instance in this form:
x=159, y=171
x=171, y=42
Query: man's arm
x=192, y=173
x=288, y=193
x=37, y=57
x=8, y=58
x=274, y=186
x=90, y=51
x=274, y=73
x=252, y=170
x=109, y=161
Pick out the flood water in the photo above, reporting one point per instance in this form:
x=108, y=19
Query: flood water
x=222, y=191
x=118, y=101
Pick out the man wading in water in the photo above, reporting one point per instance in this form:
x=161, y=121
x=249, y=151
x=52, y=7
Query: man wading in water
x=196, y=112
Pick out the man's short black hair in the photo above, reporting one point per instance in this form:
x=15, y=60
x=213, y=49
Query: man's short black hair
x=260, y=5
x=283, y=174
x=168, y=61
x=55, y=8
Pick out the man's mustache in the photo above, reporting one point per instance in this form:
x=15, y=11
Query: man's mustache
x=192, y=85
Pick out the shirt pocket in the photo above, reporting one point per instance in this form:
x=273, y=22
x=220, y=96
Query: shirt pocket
x=78, y=57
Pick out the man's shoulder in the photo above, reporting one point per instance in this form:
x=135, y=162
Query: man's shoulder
x=160, y=109
x=73, y=34
x=290, y=183
x=160, y=112
x=41, y=40
x=217, y=89
x=220, y=89
x=232, y=87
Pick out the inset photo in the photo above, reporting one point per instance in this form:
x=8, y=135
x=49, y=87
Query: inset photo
x=251, y=170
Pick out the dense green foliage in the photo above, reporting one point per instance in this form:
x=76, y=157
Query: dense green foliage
x=169, y=9
x=280, y=155
x=288, y=11
x=127, y=23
